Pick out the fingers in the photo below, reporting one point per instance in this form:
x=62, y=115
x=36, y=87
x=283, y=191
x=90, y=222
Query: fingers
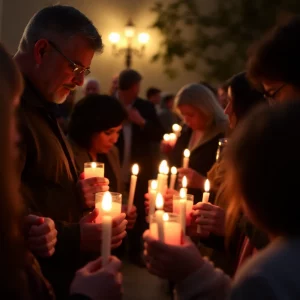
x=205, y=214
x=205, y=221
x=43, y=240
x=95, y=181
x=116, y=240
x=46, y=227
x=91, y=217
x=93, y=266
x=114, y=265
x=33, y=220
x=147, y=196
x=204, y=206
x=120, y=228
x=45, y=250
x=119, y=219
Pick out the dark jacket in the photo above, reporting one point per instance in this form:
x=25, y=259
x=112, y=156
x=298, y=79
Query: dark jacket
x=48, y=176
x=202, y=157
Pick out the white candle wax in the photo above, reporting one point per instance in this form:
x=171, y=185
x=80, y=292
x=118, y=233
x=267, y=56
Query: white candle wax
x=186, y=158
x=182, y=214
x=115, y=211
x=93, y=171
x=152, y=196
x=205, y=199
x=135, y=171
x=106, y=239
x=172, y=232
x=188, y=210
x=160, y=224
x=173, y=178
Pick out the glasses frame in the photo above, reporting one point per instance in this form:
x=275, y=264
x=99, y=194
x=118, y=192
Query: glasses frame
x=271, y=98
x=77, y=69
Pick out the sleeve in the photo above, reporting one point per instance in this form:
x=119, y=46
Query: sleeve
x=207, y=283
x=256, y=288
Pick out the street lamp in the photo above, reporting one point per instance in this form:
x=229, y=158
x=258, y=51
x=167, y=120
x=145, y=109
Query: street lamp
x=129, y=50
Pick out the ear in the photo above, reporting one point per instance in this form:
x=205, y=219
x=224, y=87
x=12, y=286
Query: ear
x=40, y=48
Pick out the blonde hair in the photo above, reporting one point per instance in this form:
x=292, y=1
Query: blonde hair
x=12, y=252
x=202, y=98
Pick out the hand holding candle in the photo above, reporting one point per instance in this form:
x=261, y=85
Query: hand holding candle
x=93, y=169
x=186, y=158
x=135, y=171
x=106, y=228
x=152, y=190
x=205, y=198
x=182, y=211
x=173, y=178
x=159, y=217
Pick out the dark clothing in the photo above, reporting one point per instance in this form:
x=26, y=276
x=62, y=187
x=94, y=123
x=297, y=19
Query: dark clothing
x=48, y=176
x=168, y=118
x=201, y=159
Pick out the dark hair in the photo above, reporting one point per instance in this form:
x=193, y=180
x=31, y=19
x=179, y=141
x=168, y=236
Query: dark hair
x=261, y=160
x=60, y=20
x=152, y=91
x=244, y=96
x=128, y=78
x=276, y=57
x=94, y=114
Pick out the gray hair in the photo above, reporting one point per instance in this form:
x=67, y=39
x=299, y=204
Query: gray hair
x=202, y=98
x=60, y=21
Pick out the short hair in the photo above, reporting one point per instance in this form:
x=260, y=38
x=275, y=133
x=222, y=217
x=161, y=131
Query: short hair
x=276, y=56
x=128, y=78
x=63, y=21
x=261, y=157
x=244, y=96
x=204, y=99
x=94, y=114
x=152, y=91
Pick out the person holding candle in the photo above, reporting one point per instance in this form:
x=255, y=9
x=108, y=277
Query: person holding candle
x=251, y=176
x=205, y=124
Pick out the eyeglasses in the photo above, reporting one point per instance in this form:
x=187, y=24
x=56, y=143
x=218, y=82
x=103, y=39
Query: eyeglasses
x=271, y=97
x=77, y=69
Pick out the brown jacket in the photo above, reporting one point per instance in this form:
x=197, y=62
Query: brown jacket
x=81, y=156
x=48, y=175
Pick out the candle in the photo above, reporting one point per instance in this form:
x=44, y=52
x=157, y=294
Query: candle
x=182, y=209
x=172, y=229
x=184, y=184
x=93, y=169
x=135, y=171
x=159, y=216
x=173, y=139
x=162, y=178
x=173, y=178
x=152, y=190
x=205, y=198
x=189, y=207
x=186, y=158
x=116, y=207
x=177, y=129
x=106, y=228
x=166, y=137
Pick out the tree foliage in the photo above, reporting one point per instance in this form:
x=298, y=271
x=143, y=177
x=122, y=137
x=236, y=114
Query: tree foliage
x=217, y=41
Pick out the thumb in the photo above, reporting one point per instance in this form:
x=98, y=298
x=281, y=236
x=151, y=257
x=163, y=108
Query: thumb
x=90, y=217
x=113, y=266
x=33, y=220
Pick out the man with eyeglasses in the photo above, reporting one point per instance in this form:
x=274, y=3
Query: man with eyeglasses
x=54, y=55
x=274, y=63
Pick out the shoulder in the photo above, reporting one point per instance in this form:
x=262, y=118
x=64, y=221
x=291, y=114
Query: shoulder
x=139, y=102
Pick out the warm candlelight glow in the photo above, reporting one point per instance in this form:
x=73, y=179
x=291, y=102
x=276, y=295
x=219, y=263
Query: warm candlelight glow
x=186, y=153
x=135, y=169
x=182, y=193
x=93, y=165
x=166, y=217
x=144, y=38
x=174, y=170
x=172, y=136
x=166, y=170
x=107, y=202
x=159, y=203
x=114, y=38
x=166, y=137
x=184, y=182
x=154, y=184
x=206, y=185
x=163, y=167
x=176, y=127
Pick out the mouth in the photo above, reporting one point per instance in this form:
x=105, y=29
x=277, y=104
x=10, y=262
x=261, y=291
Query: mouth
x=70, y=88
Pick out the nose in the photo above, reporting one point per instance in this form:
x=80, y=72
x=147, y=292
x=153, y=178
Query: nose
x=79, y=79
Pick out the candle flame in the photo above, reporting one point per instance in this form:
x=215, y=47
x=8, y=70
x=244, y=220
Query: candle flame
x=135, y=169
x=174, y=170
x=162, y=167
x=186, y=153
x=159, y=203
x=182, y=193
x=166, y=137
x=166, y=217
x=206, y=185
x=176, y=127
x=154, y=184
x=184, y=182
x=172, y=136
x=107, y=202
x=166, y=170
x=94, y=165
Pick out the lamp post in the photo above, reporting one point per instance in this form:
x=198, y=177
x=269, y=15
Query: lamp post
x=129, y=50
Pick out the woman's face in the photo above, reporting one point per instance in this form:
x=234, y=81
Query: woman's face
x=193, y=117
x=229, y=110
x=103, y=142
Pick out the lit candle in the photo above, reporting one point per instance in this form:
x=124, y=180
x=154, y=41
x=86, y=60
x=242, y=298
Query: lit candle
x=182, y=209
x=166, y=137
x=93, y=169
x=106, y=228
x=184, y=184
x=205, y=198
x=152, y=195
x=162, y=177
x=186, y=158
x=177, y=129
x=159, y=217
x=135, y=171
x=173, y=139
x=189, y=207
x=173, y=178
